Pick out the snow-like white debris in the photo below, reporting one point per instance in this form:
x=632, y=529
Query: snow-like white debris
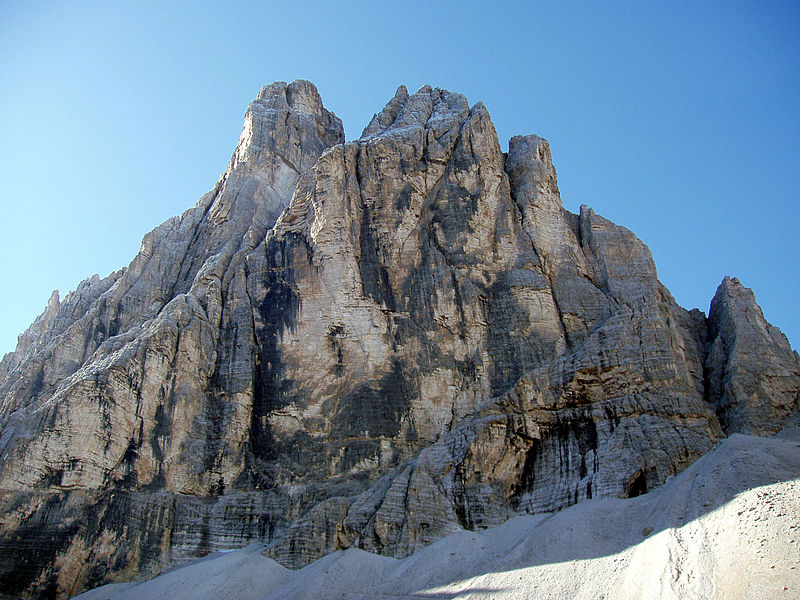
x=727, y=527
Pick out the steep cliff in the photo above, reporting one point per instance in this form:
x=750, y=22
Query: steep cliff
x=372, y=344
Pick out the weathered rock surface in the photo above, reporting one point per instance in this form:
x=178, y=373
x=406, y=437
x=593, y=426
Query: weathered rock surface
x=369, y=344
x=754, y=375
x=723, y=528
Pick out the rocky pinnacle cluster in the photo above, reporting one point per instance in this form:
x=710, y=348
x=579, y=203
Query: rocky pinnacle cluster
x=366, y=344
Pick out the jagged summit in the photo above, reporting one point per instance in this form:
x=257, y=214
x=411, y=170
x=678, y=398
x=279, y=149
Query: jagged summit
x=752, y=369
x=430, y=108
x=371, y=344
x=300, y=95
x=287, y=122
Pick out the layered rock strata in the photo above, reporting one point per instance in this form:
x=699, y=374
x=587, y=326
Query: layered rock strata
x=371, y=344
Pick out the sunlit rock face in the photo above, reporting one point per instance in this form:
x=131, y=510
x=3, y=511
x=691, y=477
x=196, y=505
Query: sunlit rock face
x=752, y=371
x=373, y=344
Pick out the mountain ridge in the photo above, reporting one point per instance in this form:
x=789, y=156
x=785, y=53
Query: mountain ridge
x=371, y=343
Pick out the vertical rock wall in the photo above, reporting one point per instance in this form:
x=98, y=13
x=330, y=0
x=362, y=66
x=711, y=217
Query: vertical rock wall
x=371, y=343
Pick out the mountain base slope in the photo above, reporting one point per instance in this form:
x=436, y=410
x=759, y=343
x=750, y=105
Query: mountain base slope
x=726, y=527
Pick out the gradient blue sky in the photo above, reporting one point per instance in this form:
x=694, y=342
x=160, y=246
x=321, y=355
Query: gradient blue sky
x=678, y=120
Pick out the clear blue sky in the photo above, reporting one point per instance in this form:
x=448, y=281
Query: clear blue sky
x=678, y=120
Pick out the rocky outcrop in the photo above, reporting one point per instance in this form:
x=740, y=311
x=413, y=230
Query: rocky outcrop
x=753, y=373
x=723, y=528
x=370, y=344
x=122, y=367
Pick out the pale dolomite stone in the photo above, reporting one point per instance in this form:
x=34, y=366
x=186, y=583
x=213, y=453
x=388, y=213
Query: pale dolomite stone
x=372, y=344
x=754, y=375
x=723, y=528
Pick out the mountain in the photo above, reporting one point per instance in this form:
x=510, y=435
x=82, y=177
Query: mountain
x=723, y=528
x=369, y=344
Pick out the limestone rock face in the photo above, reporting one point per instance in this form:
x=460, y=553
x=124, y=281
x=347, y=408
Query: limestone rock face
x=754, y=375
x=372, y=344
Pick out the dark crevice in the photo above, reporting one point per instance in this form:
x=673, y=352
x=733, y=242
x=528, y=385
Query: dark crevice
x=637, y=484
x=374, y=276
x=278, y=311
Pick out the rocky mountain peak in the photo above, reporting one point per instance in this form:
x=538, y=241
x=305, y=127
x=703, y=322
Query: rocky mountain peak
x=429, y=108
x=300, y=95
x=369, y=344
x=287, y=122
x=754, y=374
